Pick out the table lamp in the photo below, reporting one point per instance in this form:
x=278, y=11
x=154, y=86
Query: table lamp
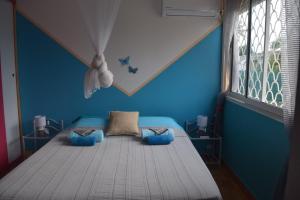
x=202, y=122
x=39, y=125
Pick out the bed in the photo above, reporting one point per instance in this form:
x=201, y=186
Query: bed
x=120, y=167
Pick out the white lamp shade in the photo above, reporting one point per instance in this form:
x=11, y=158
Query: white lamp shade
x=39, y=121
x=202, y=121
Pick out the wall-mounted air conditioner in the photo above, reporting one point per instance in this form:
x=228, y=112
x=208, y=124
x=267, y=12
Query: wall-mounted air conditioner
x=197, y=8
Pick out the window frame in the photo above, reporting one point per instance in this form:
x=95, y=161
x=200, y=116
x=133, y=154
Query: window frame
x=259, y=106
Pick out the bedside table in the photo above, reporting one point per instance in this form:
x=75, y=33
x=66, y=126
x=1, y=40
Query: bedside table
x=211, y=151
x=38, y=141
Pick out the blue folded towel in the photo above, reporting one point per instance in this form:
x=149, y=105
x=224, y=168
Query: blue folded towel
x=99, y=135
x=159, y=139
x=151, y=138
x=78, y=140
x=89, y=140
x=149, y=132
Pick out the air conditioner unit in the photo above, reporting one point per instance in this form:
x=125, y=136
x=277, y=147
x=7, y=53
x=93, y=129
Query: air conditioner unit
x=197, y=8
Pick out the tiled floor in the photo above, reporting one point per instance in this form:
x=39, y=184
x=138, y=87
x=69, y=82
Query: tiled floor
x=230, y=187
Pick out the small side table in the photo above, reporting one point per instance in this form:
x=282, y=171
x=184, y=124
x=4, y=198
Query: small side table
x=52, y=125
x=36, y=140
x=213, y=144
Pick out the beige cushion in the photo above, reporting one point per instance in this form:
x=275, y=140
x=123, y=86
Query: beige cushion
x=123, y=123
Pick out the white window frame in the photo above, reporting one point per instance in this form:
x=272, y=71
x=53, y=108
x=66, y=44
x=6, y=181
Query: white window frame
x=258, y=106
x=265, y=109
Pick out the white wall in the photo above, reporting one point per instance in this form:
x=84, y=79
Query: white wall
x=8, y=80
x=152, y=41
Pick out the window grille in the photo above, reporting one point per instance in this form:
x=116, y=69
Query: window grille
x=258, y=56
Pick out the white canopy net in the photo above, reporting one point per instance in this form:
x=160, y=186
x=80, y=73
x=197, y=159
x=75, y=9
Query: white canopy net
x=99, y=17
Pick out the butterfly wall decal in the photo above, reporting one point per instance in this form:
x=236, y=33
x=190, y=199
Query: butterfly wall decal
x=132, y=69
x=124, y=61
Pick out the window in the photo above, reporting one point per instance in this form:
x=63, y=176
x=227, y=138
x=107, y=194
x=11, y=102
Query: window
x=256, y=70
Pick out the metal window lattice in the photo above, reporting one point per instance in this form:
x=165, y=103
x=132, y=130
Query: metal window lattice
x=273, y=82
x=257, y=51
x=241, y=39
x=264, y=78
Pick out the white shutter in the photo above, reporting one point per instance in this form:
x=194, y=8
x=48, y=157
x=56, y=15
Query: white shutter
x=9, y=81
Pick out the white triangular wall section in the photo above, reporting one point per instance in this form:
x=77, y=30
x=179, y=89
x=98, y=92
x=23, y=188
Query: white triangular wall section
x=153, y=42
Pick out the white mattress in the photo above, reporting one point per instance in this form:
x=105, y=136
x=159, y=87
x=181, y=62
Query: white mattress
x=120, y=167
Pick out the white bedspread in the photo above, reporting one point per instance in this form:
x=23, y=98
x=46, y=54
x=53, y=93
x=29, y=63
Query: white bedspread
x=121, y=167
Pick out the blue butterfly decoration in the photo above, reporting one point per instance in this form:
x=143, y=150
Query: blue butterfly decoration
x=124, y=61
x=132, y=70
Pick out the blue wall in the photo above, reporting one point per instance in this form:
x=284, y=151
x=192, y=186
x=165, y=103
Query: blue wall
x=51, y=82
x=255, y=148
